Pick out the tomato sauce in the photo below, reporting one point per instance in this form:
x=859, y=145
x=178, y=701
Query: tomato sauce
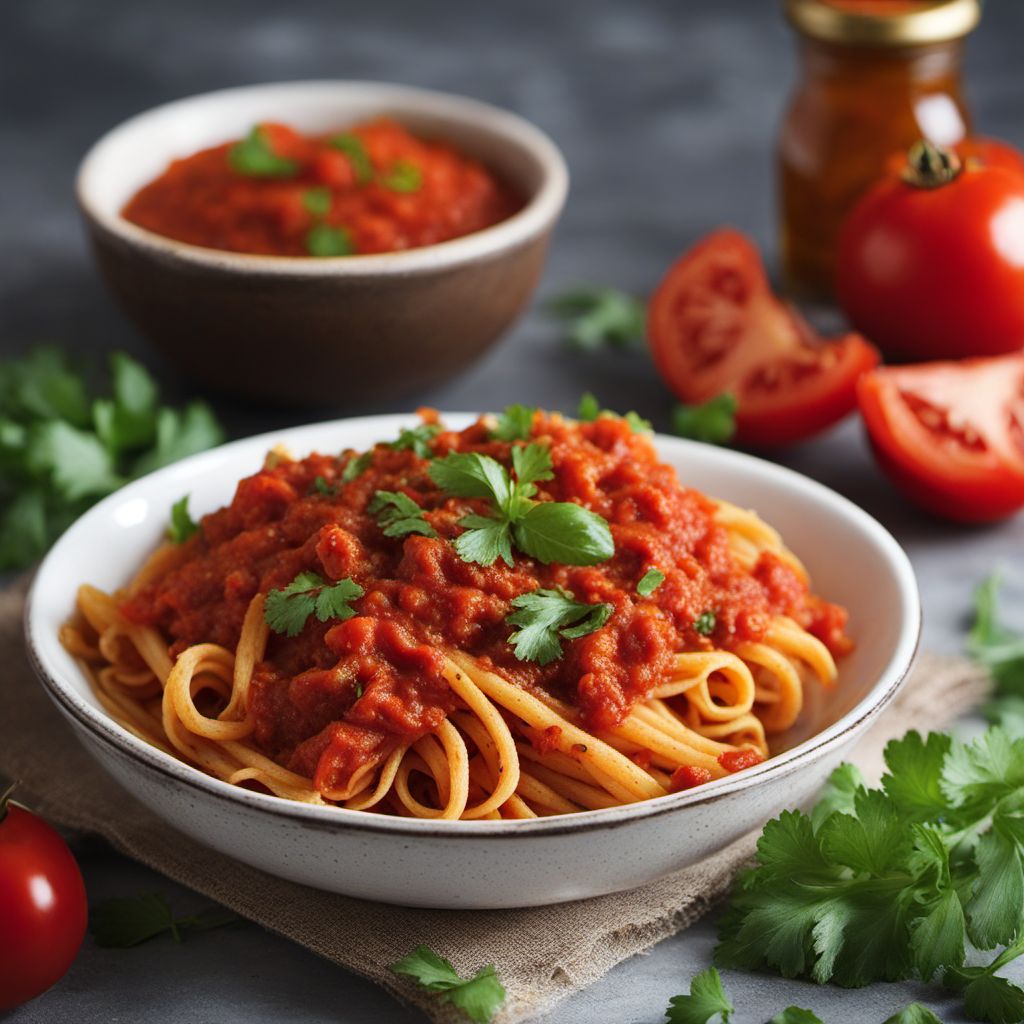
x=373, y=188
x=340, y=694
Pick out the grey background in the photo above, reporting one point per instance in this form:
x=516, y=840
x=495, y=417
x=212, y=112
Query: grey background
x=666, y=112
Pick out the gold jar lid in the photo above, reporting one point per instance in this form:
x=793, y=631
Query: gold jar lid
x=884, y=22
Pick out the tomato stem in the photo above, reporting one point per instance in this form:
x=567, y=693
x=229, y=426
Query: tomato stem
x=930, y=166
x=7, y=787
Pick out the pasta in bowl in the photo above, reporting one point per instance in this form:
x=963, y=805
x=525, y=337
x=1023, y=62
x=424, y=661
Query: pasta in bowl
x=465, y=631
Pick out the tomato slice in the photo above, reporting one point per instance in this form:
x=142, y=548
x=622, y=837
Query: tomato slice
x=951, y=435
x=715, y=326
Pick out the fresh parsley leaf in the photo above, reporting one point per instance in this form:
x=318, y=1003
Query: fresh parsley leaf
x=398, y=515
x=356, y=466
x=706, y=999
x=355, y=149
x=180, y=434
x=24, y=528
x=254, y=157
x=417, y=439
x=986, y=995
x=514, y=424
x=839, y=794
x=705, y=623
x=75, y=462
x=287, y=610
x=1002, y=653
x=590, y=409
x=479, y=997
x=486, y=539
x=531, y=463
x=546, y=616
x=596, y=317
x=403, y=176
x=649, y=582
x=326, y=241
x=472, y=475
x=913, y=1013
x=131, y=920
x=714, y=421
x=182, y=525
x=128, y=420
x=317, y=201
x=43, y=386
x=560, y=531
x=913, y=780
x=321, y=486
x=795, y=1015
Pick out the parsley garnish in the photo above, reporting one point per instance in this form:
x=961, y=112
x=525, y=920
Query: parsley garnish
x=478, y=997
x=912, y=1013
x=649, y=582
x=398, y=515
x=550, y=531
x=705, y=623
x=713, y=422
x=325, y=240
x=287, y=610
x=514, y=424
x=546, y=616
x=596, y=317
x=61, y=448
x=131, y=920
x=706, y=999
x=182, y=525
x=355, y=149
x=317, y=201
x=417, y=439
x=590, y=410
x=403, y=177
x=356, y=466
x=321, y=486
x=253, y=157
x=796, y=1015
x=1002, y=653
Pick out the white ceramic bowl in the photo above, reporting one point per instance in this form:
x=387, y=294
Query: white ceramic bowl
x=851, y=559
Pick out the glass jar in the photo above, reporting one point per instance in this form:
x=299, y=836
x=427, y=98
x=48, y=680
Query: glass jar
x=876, y=75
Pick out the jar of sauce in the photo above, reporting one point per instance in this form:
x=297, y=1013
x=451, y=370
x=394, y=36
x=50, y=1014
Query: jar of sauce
x=876, y=75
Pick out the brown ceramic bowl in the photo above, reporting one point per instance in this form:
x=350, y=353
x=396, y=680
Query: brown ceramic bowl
x=342, y=331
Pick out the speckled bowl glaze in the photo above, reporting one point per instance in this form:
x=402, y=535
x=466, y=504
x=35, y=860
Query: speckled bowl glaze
x=338, y=332
x=851, y=558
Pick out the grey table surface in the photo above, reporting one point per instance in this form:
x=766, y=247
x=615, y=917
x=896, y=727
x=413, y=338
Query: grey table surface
x=666, y=112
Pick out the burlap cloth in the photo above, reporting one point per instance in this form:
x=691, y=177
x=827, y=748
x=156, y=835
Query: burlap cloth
x=543, y=954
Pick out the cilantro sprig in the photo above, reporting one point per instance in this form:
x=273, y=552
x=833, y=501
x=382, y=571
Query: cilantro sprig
x=254, y=157
x=417, y=439
x=706, y=999
x=714, y=421
x=550, y=531
x=127, y=921
x=182, y=526
x=398, y=515
x=403, y=176
x=479, y=997
x=514, y=424
x=545, y=617
x=355, y=149
x=649, y=582
x=589, y=409
x=287, y=610
x=1001, y=651
x=62, y=447
x=597, y=317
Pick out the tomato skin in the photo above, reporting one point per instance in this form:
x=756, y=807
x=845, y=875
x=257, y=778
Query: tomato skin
x=43, y=909
x=937, y=273
x=715, y=326
x=978, y=485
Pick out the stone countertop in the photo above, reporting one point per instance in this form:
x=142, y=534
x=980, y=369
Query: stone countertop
x=666, y=113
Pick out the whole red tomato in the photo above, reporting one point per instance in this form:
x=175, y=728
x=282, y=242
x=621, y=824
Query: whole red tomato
x=43, y=909
x=931, y=263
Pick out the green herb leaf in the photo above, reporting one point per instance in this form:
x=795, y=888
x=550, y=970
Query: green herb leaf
x=479, y=997
x=253, y=157
x=531, y=463
x=24, y=530
x=546, y=616
x=987, y=996
x=597, y=317
x=486, y=539
x=287, y=610
x=180, y=434
x=417, y=439
x=76, y=462
x=356, y=466
x=355, y=149
x=514, y=424
x=318, y=201
x=472, y=475
x=795, y=1015
x=559, y=531
x=403, y=177
x=128, y=420
x=706, y=999
x=714, y=421
x=326, y=241
x=705, y=623
x=590, y=410
x=1002, y=653
x=129, y=921
x=182, y=525
x=398, y=515
x=321, y=486
x=649, y=582
x=913, y=1013
x=839, y=794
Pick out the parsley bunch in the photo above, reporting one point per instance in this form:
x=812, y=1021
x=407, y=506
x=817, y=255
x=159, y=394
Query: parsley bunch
x=896, y=882
x=550, y=531
x=1002, y=653
x=62, y=448
x=596, y=317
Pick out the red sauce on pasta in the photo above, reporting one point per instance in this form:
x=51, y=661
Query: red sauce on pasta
x=340, y=694
x=370, y=189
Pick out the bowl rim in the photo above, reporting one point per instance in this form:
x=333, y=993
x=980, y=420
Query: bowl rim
x=536, y=216
x=100, y=726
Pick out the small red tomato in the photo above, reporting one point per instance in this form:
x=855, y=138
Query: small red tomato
x=931, y=262
x=43, y=910
x=951, y=435
x=738, y=760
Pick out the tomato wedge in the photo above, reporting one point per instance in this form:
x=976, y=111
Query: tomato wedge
x=950, y=435
x=715, y=326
